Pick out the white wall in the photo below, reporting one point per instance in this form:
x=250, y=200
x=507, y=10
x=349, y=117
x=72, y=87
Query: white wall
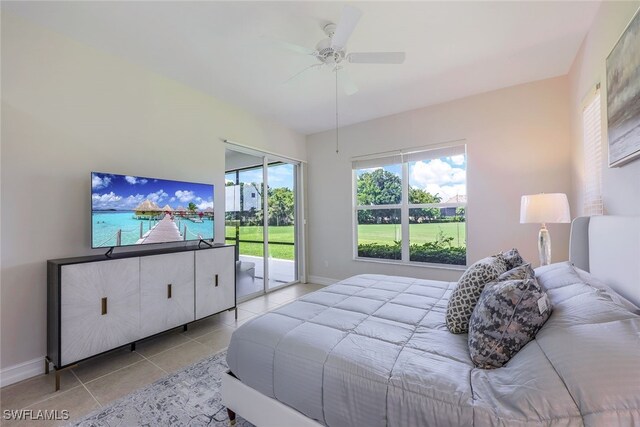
x=517, y=143
x=68, y=109
x=620, y=186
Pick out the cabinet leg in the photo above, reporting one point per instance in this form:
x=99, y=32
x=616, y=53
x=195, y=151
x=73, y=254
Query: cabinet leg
x=184, y=328
x=133, y=346
x=46, y=366
x=236, y=313
x=57, y=380
x=232, y=417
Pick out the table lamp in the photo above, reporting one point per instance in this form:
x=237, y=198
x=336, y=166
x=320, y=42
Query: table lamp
x=543, y=209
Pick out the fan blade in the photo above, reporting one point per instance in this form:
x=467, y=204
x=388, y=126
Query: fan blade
x=290, y=46
x=296, y=75
x=377, y=57
x=348, y=21
x=344, y=79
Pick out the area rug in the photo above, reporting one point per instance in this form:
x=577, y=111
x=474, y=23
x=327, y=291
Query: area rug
x=189, y=397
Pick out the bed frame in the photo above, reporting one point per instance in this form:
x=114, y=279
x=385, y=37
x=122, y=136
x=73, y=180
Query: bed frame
x=609, y=248
x=257, y=408
x=606, y=246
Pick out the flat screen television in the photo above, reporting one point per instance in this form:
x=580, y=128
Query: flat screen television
x=131, y=210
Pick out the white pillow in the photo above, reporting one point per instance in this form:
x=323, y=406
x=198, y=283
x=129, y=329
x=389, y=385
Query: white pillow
x=557, y=275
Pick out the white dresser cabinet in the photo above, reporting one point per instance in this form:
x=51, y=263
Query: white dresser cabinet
x=215, y=274
x=99, y=307
x=96, y=304
x=166, y=291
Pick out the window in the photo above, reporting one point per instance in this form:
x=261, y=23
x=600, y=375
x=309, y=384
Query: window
x=411, y=206
x=592, y=139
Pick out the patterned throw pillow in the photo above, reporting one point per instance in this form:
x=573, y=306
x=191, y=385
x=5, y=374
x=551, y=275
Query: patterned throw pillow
x=508, y=315
x=513, y=258
x=523, y=271
x=465, y=296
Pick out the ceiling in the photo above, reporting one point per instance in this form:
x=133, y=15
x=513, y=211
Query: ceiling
x=225, y=49
x=238, y=160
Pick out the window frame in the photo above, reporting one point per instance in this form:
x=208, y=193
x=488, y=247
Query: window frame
x=404, y=206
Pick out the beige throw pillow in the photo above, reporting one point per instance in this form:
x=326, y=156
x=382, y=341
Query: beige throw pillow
x=470, y=286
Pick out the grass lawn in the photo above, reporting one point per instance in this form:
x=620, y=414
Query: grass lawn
x=256, y=249
x=418, y=233
x=367, y=233
x=276, y=234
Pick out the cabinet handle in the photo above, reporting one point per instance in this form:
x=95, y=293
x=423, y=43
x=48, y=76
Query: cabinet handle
x=104, y=306
x=216, y=280
x=169, y=290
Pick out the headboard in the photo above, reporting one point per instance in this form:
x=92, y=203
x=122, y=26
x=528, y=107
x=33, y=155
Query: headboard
x=609, y=248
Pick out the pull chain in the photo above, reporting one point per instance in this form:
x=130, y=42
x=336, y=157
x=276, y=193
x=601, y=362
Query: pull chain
x=337, y=135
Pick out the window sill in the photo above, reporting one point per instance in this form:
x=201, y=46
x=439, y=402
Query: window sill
x=413, y=264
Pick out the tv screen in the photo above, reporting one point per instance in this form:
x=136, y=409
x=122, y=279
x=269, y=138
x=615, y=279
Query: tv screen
x=134, y=210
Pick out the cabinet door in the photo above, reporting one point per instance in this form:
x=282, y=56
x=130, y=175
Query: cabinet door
x=100, y=303
x=215, y=281
x=166, y=291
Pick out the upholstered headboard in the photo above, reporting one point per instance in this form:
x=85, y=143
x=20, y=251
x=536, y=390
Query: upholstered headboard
x=609, y=248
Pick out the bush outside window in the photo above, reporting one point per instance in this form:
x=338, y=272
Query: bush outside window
x=411, y=207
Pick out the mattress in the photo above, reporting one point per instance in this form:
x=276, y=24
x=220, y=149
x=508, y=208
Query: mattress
x=374, y=350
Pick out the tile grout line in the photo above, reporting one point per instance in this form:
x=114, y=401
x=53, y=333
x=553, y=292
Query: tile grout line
x=86, y=388
x=274, y=307
x=127, y=366
x=176, y=346
x=82, y=383
x=49, y=397
x=204, y=346
x=150, y=361
x=199, y=344
x=275, y=303
x=187, y=337
x=222, y=325
x=115, y=370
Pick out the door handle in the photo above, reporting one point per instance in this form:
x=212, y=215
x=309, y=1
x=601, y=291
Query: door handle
x=104, y=306
x=169, y=290
x=216, y=280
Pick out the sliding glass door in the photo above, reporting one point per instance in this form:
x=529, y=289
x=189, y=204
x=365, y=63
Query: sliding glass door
x=262, y=224
x=282, y=224
x=245, y=228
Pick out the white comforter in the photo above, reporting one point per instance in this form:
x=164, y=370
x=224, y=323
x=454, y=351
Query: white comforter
x=374, y=351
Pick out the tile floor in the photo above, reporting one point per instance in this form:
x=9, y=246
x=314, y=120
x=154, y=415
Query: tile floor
x=103, y=379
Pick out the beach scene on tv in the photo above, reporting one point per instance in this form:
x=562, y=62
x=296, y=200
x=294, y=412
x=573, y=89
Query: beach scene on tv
x=133, y=210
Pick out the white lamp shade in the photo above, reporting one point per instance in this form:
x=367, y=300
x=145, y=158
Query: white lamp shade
x=544, y=208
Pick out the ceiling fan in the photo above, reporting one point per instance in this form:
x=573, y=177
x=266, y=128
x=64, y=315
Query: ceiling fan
x=332, y=53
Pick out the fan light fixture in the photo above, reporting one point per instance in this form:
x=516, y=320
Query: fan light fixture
x=332, y=53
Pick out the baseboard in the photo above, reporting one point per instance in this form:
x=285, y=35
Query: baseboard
x=21, y=371
x=325, y=281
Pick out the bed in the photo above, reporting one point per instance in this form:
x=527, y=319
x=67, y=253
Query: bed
x=374, y=350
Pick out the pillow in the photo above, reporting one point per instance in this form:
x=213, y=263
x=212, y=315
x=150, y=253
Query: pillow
x=557, y=275
x=508, y=315
x=512, y=258
x=465, y=296
x=522, y=272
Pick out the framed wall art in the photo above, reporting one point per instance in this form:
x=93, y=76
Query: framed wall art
x=623, y=96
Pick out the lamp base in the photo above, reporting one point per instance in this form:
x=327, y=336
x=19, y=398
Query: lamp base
x=544, y=246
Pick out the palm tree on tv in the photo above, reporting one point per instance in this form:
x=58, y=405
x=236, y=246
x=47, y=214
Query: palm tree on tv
x=192, y=208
